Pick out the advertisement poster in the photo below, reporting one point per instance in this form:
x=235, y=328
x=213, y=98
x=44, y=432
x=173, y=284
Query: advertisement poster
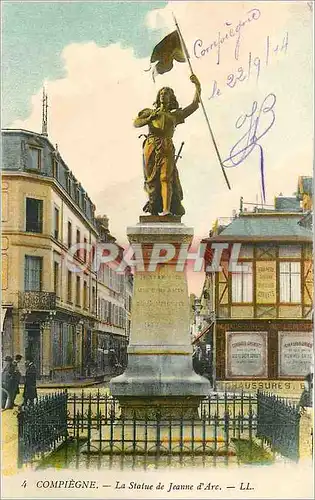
x=246, y=354
x=157, y=249
x=296, y=351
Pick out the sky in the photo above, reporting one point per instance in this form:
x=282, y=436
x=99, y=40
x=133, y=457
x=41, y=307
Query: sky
x=92, y=57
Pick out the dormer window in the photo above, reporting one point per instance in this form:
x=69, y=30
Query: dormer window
x=55, y=167
x=69, y=183
x=35, y=158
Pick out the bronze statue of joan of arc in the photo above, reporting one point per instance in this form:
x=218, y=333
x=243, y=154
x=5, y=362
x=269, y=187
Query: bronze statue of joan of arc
x=161, y=179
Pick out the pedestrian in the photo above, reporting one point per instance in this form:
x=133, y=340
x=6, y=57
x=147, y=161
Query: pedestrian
x=17, y=375
x=30, y=391
x=8, y=384
x=306, y=399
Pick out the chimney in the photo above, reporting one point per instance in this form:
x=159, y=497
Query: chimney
x=103, y=221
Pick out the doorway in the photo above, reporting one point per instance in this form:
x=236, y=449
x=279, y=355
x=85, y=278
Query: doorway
x=32, y=346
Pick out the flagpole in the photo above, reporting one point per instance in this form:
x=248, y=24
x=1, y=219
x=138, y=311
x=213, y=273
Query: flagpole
x=201, y=102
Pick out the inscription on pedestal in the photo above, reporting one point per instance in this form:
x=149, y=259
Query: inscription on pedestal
x=160, y=314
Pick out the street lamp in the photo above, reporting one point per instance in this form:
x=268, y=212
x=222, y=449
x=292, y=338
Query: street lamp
x=197, y=306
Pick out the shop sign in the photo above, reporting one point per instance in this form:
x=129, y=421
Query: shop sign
x=266, y=282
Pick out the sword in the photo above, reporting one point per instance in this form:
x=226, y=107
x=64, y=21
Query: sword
x=179, y=152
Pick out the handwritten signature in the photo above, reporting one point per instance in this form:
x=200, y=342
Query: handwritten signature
x=259, y=121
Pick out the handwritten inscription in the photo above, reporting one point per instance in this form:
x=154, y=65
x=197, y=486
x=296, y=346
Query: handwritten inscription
x=259, y=120
x=200, y=49
x=253, y=67
x=256, y=130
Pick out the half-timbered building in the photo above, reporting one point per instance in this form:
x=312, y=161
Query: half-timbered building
x=262, y=297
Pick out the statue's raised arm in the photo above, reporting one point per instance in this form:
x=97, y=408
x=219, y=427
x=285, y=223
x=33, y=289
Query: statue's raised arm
x=195, y=103
x=162, y=182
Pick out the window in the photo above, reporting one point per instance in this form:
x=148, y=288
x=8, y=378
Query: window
x=78, y=239
x=69, y=287
x=242, y=283
x=290, y=282
x=34, y=215
x=78, y=292
x=55, y=167
x=110, y=313
x=77, y=194
x=106, y=275
x=56, y=223
x=57, y=340
x=33, y=273
x=69, y=234
x=36, y=157
x=122, y=283
x=56, y=278
x=83, y=200
x=69, y=183
x=85, y=295
x=68, y=344
x=93, y=300
x=85, y=250
x=63, y=344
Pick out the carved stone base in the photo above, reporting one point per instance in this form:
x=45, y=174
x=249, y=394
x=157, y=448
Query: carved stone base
x=159, y=218
x=163, y=408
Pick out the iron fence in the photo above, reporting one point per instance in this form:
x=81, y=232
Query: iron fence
x=93, y=422
x=100, y=407
x=278, y=424
x=221, y=418
x=42, y=426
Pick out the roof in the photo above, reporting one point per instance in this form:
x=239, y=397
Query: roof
x=287, y=203
x=265, y=226
x=305, y=185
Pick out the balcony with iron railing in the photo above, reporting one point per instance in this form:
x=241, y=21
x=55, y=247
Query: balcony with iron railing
x=37, y=301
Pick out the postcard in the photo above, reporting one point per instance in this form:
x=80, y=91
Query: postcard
x=157, y=249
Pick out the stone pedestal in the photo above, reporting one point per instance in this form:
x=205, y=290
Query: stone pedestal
x=160, y=379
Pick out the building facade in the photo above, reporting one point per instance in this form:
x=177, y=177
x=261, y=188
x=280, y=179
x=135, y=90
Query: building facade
x=113, y=301
x=262, y=299
x=49, y=290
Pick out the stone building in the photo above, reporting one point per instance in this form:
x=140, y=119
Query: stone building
x=49, y=292
x=113, y=300
x=261, y=298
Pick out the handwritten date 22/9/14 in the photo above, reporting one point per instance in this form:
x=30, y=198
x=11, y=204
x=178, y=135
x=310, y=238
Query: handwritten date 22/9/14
x=253, y=67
